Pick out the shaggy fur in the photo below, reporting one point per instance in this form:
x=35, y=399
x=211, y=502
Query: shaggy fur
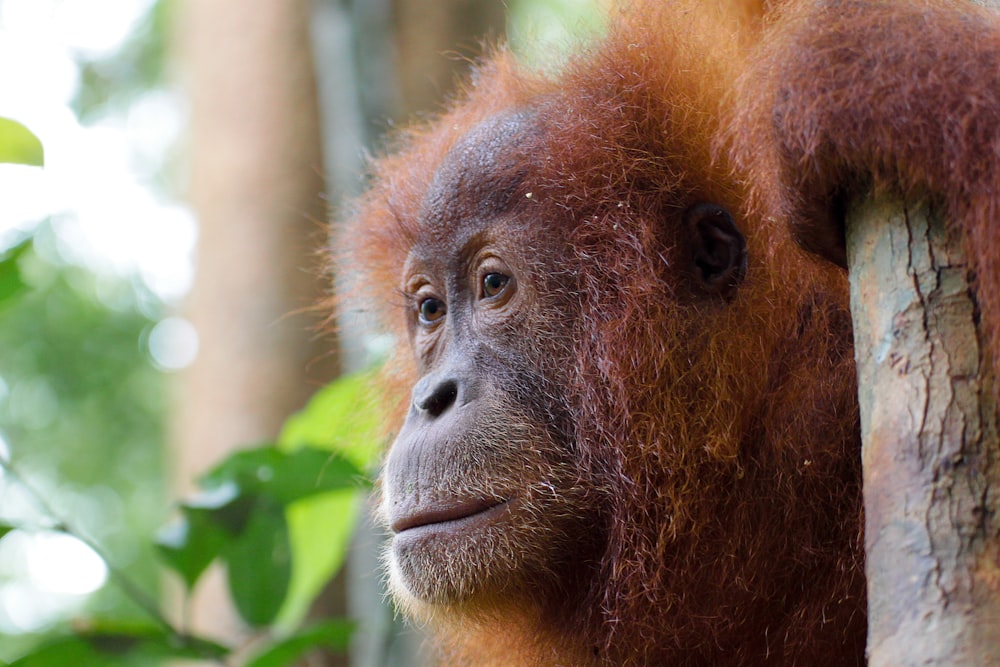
x=901, y=96
x=719, y=436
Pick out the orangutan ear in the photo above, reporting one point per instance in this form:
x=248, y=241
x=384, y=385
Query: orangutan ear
x=718, y=249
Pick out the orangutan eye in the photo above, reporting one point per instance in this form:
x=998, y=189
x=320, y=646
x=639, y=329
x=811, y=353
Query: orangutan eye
x=431, y=310
x=494, y=284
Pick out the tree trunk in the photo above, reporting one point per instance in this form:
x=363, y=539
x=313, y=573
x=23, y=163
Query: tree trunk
x=257, y=190
x=435, y=41
x=929, y=428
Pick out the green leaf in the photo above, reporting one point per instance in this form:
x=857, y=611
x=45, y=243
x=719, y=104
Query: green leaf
x=343, y=417
x=213, y=521
x=210, y=521
x=285, y=476
x=69, y=652
x=315, y=488
x=259, y=564
x=334, y=635
x=11, y=281
x=308, y=472
x=227, y=506
x=189, y=545
x=19, y=145
x=320, y=530
x=6, y=528
x=119, y=645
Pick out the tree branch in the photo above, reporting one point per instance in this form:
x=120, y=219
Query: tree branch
x=929, y=430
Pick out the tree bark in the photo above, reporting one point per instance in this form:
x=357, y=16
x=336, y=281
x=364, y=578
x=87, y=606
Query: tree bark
x=257, y=190
x=929, y=431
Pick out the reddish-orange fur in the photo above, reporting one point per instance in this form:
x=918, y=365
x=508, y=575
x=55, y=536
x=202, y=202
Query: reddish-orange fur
x=897, y=95
x=722, y=436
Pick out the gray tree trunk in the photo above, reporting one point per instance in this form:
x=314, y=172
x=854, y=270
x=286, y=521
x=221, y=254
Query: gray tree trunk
x=929, y=430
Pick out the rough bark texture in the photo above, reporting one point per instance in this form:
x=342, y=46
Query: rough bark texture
x=929, y=426
x=257, y=189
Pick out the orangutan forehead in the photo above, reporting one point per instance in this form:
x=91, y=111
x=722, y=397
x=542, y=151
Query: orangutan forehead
x=479, y=177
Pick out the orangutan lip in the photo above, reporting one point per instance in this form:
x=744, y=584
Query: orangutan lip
x=449, y=514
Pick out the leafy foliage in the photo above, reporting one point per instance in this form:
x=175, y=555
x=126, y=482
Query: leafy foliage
x=82, y=409
x=78, y=398
x=279, y=515
x=259, y=563
x=137, y=67
x=333, y=635
x=11, y=281
x=343, y=418
x=121, y=646
x=19, y=145
x=241, y=517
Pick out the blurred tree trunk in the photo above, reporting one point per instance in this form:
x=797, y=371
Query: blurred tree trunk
x=435, y=41
x=257, y=189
